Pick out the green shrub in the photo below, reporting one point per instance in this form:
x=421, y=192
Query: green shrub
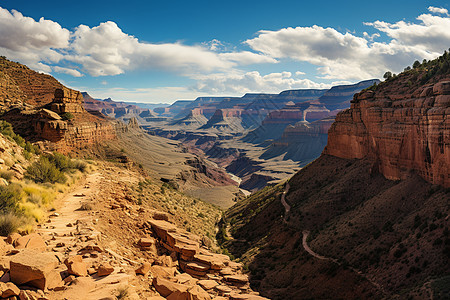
x=44, y=170
x=67, y=116
x=79, y=165
x=62, y=162
x=9, y=223
x=8, y=175
x=86, y=206
x=10, y=196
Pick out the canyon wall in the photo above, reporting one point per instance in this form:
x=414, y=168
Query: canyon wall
x=400, y=132
x=66, y=125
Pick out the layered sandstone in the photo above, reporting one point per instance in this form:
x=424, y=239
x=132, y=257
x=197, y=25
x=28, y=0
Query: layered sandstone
x=22, y=83
x=400, y=132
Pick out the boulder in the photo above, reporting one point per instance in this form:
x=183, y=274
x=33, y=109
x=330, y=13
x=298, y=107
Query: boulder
x=160, y=216
x=146, y=242
x=197, y=293
x=223, y=289
x=143, y=269
x=104, y=269
x=207, y=284
x=4, y=247
x=166, y=287
x=12, y=238
x=226, y=271
x=76, y=266
x=9, y=289
x=30, y=241
x=215, y=261
x=178, y=295
x=34, y=268
x=4, y=263
x=238, y=278
x=198, y=266
x=185, y=278
x=163, y=272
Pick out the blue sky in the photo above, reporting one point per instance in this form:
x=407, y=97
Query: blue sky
x=161, y=51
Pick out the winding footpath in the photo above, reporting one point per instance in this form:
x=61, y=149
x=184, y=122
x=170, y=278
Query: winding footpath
x=287, y=207
x=306, y=233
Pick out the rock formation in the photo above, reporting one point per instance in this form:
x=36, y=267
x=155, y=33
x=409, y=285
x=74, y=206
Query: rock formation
x=20, y=83
x=399, y=132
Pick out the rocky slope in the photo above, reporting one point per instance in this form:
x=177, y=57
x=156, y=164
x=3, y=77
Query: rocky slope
x=370, y=217
x=113, y=237
x=20, y=83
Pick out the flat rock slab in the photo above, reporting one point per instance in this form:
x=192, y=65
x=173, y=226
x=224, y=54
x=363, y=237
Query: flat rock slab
x=34, y=268
x=238, y=278
x=207, y=284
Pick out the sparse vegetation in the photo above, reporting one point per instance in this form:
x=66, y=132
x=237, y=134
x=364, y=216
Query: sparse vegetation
x=122, y=293
x=9, y=223
x=51, y=168
x=67, y=116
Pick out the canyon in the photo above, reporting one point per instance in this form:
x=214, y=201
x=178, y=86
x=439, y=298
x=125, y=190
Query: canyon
x=262, y=138
x=372, y=209
x=350, y=192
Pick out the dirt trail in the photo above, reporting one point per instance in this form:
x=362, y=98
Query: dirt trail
x=306, y=233
x=69, y=229
x=310, y=251
x=287, y=207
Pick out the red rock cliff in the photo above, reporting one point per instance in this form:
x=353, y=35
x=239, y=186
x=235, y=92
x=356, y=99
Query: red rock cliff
x=401, y=132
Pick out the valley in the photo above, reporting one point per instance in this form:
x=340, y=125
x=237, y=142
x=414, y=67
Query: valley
x=261, y=138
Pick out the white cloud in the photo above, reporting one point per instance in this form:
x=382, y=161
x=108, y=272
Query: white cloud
x=299, y=73
x=236, y=84
x=247, y=58
x=107, y=50
x=347, y=56
x=73, y=72
x=31, y=42
x=438, y=10
x=431, y=35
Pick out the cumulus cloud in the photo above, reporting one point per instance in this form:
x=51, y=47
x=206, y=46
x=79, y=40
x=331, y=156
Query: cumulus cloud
x=438, y=10
x=238, y=83
x=431, y=35
x=32, y=42
x=73, y=72
x=107, y=50
x=247, y=58
x=347, y=56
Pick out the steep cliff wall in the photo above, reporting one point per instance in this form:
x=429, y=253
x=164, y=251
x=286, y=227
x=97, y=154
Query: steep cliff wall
x=400, y=132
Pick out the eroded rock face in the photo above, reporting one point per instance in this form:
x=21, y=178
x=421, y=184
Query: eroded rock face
x=401, y=133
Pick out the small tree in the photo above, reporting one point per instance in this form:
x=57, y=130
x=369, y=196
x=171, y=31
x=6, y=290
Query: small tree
x=416, y=64
x=387, y=75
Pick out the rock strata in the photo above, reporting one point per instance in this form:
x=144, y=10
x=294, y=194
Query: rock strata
x=400, y=134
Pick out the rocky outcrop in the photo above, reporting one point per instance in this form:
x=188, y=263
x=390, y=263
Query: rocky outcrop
x=226, y=120
x=302, y=142
x=400, y=133
x=20, y=83
x=116, y=109
x=194, y=119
